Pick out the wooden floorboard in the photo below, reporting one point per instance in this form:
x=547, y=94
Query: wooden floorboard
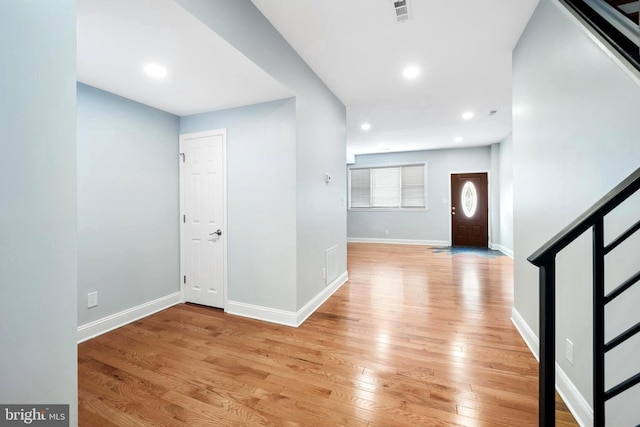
x=416, y=337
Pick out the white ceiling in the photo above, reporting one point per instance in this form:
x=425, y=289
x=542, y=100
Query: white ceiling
x=117, y=38
x=359, y=50
x=356, y=47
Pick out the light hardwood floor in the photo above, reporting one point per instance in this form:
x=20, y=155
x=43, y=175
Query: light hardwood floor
x=416, y=337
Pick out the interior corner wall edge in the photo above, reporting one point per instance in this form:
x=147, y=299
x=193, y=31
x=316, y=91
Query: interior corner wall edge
x=38, y=361
x=575, y=136
x=320, y=135
x=505, y=188
x=128, y=203
x=261, y=203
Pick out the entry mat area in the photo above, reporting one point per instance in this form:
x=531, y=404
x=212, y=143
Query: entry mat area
x=458, y=250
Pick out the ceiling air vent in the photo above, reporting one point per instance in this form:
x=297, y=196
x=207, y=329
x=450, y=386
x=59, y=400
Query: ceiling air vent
x=402, y=10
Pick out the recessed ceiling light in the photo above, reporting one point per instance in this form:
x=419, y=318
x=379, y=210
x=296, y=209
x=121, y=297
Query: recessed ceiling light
x=457, y=139
x=155, y=70
x=411, y=72
x=467, y=115
x=365, y=126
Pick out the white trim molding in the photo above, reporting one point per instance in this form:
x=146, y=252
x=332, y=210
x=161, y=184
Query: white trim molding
x=399, y=241
x=530, y=338
x=284, y=317
x=578, y=406
x=508, y=252
x=114, y=321
x=315, y=303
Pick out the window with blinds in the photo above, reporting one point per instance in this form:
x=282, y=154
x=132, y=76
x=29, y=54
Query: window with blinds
x=391, y=187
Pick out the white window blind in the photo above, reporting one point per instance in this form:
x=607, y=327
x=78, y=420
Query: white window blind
x=385, y=186
x=413, y=187
x=360, y=188
x=395, y=187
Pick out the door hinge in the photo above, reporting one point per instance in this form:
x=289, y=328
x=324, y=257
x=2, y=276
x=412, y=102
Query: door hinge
x=184, y=219
x=184, y=279
x=183, y=157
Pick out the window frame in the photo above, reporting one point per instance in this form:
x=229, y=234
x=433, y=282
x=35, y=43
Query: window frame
x=388, y=209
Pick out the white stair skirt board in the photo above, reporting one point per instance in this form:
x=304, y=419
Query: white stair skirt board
x=527, y=334
x=283, y=317
x=399, y=241
x=109, y=323
x=578, y=406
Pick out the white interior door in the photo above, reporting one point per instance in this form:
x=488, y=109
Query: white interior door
x=203, y=222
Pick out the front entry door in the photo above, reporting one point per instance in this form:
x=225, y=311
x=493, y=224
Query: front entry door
x=469, y=210
x=203, y=231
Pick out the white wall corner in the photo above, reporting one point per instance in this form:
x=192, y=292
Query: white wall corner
x=526, y=333
x=284, y=317
x=579, y=407
x=508, y=252
x=315, y=303
x=399, y=241
x=117, y=320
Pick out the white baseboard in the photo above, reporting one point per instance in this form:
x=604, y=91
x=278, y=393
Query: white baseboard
x=527, y=334
x=283, y=317
x=399, y=241
x=578, y=406
x=109, y=323
x=258, y=312
x=508, y=252
x=319, y=299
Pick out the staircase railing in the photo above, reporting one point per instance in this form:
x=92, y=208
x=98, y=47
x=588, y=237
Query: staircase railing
x=545, y=258
x=619, y=30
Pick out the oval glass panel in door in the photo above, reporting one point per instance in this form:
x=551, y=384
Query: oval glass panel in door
x=469, y=199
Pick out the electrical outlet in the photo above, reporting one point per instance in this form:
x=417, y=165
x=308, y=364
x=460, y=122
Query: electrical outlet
x=92, y=299
x=569, y=351
x=386, y=232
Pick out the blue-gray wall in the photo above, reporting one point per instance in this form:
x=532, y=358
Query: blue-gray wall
x=128, y=203
x=502, y=196
x=432, y=225
x=320, y=135
x=575, y=136
x=261, y=181
x=38, y=203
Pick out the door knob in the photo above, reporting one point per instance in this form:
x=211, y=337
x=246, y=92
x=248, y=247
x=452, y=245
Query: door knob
x=218, y=232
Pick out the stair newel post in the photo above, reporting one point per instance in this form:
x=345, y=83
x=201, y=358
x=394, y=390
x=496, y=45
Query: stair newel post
x=547, y=343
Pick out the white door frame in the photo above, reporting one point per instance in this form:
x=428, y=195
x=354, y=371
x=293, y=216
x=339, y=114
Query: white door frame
x=187, y=136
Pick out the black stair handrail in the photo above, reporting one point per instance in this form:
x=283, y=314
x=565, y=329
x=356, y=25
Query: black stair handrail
x=544, y=258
